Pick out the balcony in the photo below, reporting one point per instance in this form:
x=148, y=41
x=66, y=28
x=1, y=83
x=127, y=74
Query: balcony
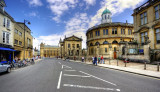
x=29, y=46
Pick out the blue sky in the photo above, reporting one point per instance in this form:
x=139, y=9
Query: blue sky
x=52, y=19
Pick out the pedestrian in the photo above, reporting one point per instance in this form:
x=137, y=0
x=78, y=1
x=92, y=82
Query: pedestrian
x=102, y=60
x=99, y=59
x=95, y=60
x=82, y=59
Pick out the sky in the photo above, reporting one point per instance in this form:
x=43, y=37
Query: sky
x=53, y=19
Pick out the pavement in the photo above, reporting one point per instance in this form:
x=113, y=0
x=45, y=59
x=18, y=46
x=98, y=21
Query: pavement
x=55, y=75
x=132, y=67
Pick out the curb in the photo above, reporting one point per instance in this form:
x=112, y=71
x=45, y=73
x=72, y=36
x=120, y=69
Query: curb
x=123, y=70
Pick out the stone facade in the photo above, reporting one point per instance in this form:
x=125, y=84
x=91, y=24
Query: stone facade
x=49, y=51
x=71, y=47
x=103, y=40
x=19, y=41
x=147, y=24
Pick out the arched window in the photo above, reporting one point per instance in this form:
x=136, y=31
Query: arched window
x=91, y=44
x=105, y=17
x=97, y=43
x=105, y=42
x=114, y=42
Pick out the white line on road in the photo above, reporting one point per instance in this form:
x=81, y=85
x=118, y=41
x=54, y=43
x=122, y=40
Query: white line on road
x=75, y=75
x=70, y=70
x=59, y=62
x=59, y=81
x=90, y=87
x=67, y=66
x=98, y=78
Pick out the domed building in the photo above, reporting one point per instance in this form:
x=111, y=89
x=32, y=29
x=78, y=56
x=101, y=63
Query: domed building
x=105, y=38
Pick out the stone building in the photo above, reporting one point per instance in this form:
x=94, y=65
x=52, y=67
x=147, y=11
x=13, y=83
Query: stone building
x=21, y=50
x=104, y=38
x=49, y=51
x=71, y=47
x=6, y=34
x=147, y=29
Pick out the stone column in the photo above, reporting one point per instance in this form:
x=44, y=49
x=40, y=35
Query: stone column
x=146, y=53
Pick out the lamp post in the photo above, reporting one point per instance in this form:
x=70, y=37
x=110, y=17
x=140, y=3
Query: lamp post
x=110, y=46
x=25, y=21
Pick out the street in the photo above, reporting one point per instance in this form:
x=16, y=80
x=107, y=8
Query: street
x=52, y=75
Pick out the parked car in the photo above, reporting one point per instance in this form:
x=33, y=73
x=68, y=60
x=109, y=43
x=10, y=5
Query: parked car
x=5, y=68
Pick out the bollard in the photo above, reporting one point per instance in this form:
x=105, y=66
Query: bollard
x=158, y=66
x=117, y=62
x=144, y=65
x=125, y=63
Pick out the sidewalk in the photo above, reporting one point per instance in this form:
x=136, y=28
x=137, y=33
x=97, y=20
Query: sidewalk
x=136, y=68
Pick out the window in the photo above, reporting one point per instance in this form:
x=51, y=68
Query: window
x=106, y=31
x=97, y=33
x=8, y=23
x=112, y=31
x=15, y=41
x=29, y=41
x=122, y=31
x=6, y=37
x=91, y=35
x=105, y=17
x=16, y=31
x=69, y=46
x=105, y=50
x=20, y=43
x=4, y=22
x=158, y=36
x=116, y=31
x=143, y=35
x=20, y=33
x=129, y=31
x=157, y=11
x=77, y=45
x=143, y=18
x=108, y=17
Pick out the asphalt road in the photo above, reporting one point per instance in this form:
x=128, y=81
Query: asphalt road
x=52, y=75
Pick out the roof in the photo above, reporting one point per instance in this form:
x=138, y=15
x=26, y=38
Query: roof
x=73, y=36
x=145, y=6
x=7, y=15
x=113, y=24
x=51, y=46
x=106, y=11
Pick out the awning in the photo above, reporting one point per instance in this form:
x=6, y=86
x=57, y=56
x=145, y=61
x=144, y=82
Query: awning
x=8, y=49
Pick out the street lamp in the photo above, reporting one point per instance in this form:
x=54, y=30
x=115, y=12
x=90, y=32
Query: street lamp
x=28, y=22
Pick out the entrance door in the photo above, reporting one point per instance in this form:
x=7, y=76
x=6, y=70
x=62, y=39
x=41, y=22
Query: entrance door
x=115, y=55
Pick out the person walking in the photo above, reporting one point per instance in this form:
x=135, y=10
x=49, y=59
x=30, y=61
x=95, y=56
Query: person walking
x=95, y=60
x=102, y=60
x=82, y=59
x=99, y=59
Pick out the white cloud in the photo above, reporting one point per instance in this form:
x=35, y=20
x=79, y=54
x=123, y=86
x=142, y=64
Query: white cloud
x=32, y=14
x=58, y=7
x=79, y=24
x=115, y=6
x=75, y=26
x=35, y=2
x=90, y=2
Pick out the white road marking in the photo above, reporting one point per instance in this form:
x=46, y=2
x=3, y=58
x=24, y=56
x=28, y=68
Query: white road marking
x=59, y=81
x=59, y=62
x=75, y=75
x=69, y=70
x=67, y=66
x=90, y=87
x=98, y=78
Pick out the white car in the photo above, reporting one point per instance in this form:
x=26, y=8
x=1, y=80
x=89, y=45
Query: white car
x=5, y=68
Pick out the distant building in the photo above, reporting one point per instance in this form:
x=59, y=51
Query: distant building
x=147, y=28
x=104, y=39
x=6, y=34
x=36, y=52
x=49, y=50
x=71, y=47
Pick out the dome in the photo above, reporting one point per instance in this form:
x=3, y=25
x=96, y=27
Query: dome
x=106, y=11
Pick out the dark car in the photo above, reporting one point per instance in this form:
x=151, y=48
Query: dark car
x=5, y=68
